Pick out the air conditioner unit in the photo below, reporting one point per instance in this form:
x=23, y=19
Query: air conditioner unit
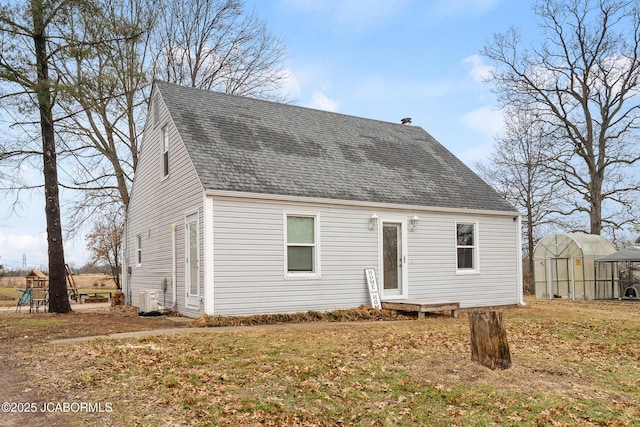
x=148, y=300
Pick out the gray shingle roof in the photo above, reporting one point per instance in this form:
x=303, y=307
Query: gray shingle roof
x=249, y=145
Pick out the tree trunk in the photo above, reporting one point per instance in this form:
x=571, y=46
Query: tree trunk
x=489, y=345
x=58, y=297
x=595, y=213
x=530, y=248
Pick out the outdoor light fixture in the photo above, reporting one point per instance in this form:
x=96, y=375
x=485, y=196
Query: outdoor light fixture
x=413, y=223
x=373, y=222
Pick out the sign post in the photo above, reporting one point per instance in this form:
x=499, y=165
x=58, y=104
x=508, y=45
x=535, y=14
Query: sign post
x=372, y=286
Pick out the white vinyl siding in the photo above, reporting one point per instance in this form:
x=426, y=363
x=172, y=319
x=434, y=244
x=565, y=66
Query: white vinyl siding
x=155, y=207
x=250, y=260
x=432, y=254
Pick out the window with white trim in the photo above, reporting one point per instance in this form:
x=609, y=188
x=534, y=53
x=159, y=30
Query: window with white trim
x=138, y=249
x=466, y=246
x=165, y=151
x=301, y=255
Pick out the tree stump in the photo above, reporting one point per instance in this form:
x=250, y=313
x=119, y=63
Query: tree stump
x=118, y=299
x=489, y=345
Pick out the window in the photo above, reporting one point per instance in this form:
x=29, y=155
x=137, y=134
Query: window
x=466, y=246
x=165, y=151
x=301, y=245
x=138, y=249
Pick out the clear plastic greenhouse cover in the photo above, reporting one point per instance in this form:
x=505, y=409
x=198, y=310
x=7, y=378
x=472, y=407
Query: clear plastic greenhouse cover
x=572, y=244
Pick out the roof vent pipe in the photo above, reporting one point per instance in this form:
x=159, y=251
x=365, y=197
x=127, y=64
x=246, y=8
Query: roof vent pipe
x=406, y=121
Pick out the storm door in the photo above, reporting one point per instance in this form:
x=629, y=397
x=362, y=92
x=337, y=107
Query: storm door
x=393, y=259
x=192, y=261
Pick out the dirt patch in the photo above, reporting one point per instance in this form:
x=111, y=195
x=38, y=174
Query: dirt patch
x=19, y=374
x=524, y=377
x=36, y=328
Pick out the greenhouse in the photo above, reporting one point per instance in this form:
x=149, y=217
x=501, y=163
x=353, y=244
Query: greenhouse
x=565, y=265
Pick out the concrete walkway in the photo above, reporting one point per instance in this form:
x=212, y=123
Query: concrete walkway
x=216, y=329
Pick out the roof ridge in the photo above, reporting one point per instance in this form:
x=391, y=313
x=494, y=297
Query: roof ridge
x=281, y=104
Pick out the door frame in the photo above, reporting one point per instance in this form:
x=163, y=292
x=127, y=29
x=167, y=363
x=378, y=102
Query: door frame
x=191, y=300
x=403, y=292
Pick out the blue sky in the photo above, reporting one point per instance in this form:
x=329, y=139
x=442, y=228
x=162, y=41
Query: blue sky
x=385, y=60
x=380, y=59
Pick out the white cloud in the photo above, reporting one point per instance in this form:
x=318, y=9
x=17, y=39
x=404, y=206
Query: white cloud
x=14, y=246
x=487, y=121
x=477, y=153
x=290, y=85
x=321, y=101
x=483, y=125
x=479, y=70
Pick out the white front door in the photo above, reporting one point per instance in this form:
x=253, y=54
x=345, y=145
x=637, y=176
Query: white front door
x=394, y=259
x=192, y=261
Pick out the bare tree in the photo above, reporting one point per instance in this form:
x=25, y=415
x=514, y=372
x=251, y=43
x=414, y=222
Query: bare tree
x=104, y=242
x=103, y=58
x=212, y=44
x=582, y=81
x=216, y=45
x=31, y=75
x=518, y=170
x=103, y=93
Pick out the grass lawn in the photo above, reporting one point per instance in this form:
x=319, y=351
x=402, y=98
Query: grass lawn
x=574, y=363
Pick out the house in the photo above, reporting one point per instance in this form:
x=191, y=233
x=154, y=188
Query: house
x=242, y=206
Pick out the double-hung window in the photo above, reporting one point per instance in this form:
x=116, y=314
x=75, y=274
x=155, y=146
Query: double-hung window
x=165, y=151
x=467, y=246
x=301, y=238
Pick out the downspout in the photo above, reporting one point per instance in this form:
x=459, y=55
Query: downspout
x=124, y=265
x=519, y=281
x=174, y=273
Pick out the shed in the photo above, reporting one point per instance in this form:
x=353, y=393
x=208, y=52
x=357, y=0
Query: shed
x=565, y=265
x=37, y=279
x=623, y=281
